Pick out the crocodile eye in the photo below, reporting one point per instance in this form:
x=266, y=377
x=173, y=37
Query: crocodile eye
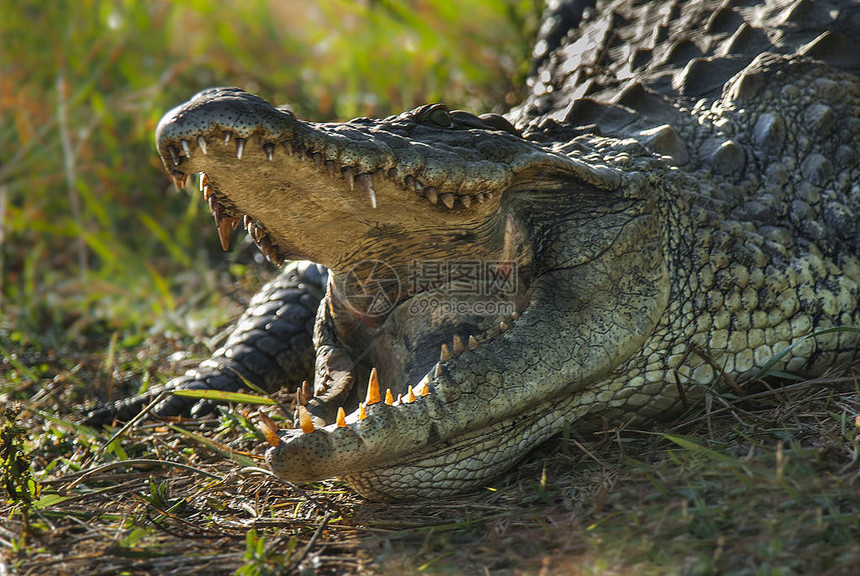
x=440, y=116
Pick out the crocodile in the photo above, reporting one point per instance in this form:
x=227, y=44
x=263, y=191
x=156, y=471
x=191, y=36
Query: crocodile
x=675, y=202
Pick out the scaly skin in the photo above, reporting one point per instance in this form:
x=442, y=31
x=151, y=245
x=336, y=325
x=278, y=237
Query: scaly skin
x=700, y=208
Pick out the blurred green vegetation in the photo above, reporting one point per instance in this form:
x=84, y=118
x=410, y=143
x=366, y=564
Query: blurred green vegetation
x=94, y=239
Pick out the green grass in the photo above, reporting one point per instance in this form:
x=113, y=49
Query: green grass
x=94, y=239
x=113, y=282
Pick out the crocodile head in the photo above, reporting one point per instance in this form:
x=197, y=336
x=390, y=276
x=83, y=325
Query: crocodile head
x=478, y=278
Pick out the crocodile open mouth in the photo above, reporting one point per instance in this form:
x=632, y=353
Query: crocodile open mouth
x=430, y=383
x=441, y=325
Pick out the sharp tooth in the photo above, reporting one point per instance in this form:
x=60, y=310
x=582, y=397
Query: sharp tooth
x=473, y=343
x=438, y=371
x=341, y=418
x=225, y=227
x=186, y=148
x=373, y=395
x=329, y=165
x=447, y=200
x=410, y=396
x=317, y=160
x=204, y=180
x=270, y=429
x=430, y=194
x=466, y=200
x=259, y=234
x=389, y=398
x=423, y=389
x=362, y=412
x=179, y=181
x=444, y=353
x=365, y=181
x=207, y=192
x=300, y=399
x=240, y=147
x=266, y=247
x=227, y=136
x=269, y=149
x=174, y=154
x=213, y=204
x=305, y=420
x=458, y=345
x=349, y=177
x=399, y=400
x=201, y=141
x=246, y=222
x=307, y=392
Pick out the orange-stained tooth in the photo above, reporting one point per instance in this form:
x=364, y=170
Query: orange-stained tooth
x=373, y=395
x=473, y=343
x=341, y=418
x=410, y=396
x=225, y=227
x=204, y=180
x=458, y=345
x=423, y=389
x=444, y=353
x=389, y=397
x=305, y=420
x=362, y=413
x=270, y=429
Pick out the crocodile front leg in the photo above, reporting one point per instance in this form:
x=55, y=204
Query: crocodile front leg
x=270, y=347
